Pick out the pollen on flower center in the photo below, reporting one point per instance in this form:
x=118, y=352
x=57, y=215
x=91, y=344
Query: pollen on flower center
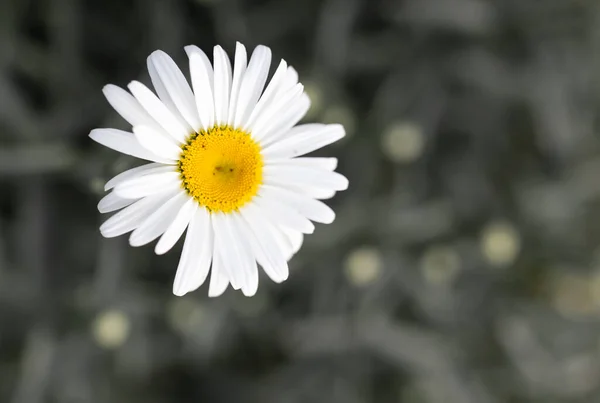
x=221, y=168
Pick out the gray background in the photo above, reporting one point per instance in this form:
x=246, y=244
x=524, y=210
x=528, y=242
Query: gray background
x=463, y=265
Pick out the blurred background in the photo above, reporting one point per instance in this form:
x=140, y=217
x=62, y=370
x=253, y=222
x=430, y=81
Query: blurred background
x=464, y=263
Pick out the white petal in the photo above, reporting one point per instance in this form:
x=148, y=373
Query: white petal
x=315, y=193
x=305, y=129
x=324, y=163
x=156, y=143
x=206, y=246
x=126, y=143
x=218, y=278
x=154, y=106
x=132, y=216
x=238, y=228
x=291, y=79
x=296, y=239
x=231, y=261
x=281, y=214
x=304, y=176
x=112, y=202
x=249, y=289
x=177, y=227
x=268, y=120
x=176, y=92
x=308, y=190
x=127, y=106
x=163, y=94
x=252, y=84
x=258, y=253
x=254, y=245
x=239, y=69
x=158, y=222
x=202, y=74
x=195, y=50
x=131, y=173
x=148, y=184
x=286, y=121
x=264, y=245
x=222, y=85
x=196, y=255
x=240, y=256
x=269, y=97
x=300, y=144
x=281, y=241
x=310, y=208
x=285, y=239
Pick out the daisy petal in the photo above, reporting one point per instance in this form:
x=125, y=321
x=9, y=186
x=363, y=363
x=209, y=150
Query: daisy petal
x=176, y=92
x=291, y=79
x=252, y=84
x=240, y=258
x=131, y=173
x=111, y=202
x=132, y=216
x=282, y=124
x=311, y=191
x=197, y=254
x=296, y=240
x=315, y=192
x=195, y=50
x=158, y=222
x=326, y=164
x=284, y=103
x=177, y=227
x=277, y=212
x=255, y=246
x=148, y=184
x=281, y=240
x=161, y=90
x=268, y=97
x=231, y=262
x=264, y=245
x=222, y=85
x=310, y=208
x=249, y=289
x=296, y=145
x=238, y=230
x=304, y=176
x=154, y=106
x=202, y=74
x=305, y=129
x=218, y=278
x=127, y=106
x=239, y=69
x=125, y=143
x=156, y=143
x=206, y=247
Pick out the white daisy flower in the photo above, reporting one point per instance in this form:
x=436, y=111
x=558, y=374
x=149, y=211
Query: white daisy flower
x=225, y=162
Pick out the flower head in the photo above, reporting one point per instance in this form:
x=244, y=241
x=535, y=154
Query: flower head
x=226, y=163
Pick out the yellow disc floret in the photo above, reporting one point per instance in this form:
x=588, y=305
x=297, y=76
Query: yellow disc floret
x=221, y=168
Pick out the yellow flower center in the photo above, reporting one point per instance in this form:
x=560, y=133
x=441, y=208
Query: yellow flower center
x=221, y=168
